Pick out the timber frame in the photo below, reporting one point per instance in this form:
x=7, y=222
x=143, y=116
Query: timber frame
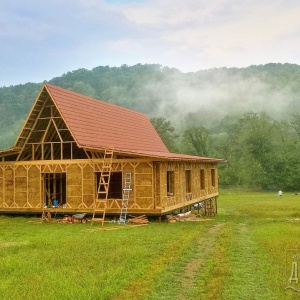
x=47, y=162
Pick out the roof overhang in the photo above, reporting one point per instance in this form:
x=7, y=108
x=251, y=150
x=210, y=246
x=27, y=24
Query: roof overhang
x=10, y=151
x=160, y=156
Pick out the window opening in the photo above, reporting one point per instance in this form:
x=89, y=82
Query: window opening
x=213, y=177
x=115, y=185
x=202, y=179
x=188, y=181
x=170, y=183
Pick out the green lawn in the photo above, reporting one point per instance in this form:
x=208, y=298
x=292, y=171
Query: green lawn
x=240, y=254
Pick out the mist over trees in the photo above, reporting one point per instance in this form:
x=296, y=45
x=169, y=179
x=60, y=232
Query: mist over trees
x=248, y=116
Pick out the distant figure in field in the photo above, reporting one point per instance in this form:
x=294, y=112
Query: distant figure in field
x=280, y=193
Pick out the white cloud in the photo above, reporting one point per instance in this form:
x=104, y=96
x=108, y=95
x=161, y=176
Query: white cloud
x=189, y=35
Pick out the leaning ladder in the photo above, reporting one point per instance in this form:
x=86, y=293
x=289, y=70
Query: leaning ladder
x=100, y=204
x=125, y=198
x=209, y=208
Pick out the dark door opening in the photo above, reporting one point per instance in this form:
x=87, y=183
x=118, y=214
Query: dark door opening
x=55, y=188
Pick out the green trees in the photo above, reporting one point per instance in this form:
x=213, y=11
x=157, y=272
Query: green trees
x=196, y=141
x=263, y=153
x=206, y=113
x=15, y=103
x=166, y=132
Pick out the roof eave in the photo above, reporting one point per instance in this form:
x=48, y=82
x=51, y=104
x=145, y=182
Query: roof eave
x=157, y=157
x=10, y=151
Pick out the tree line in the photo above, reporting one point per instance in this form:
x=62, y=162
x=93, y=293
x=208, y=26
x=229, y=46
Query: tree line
x=261, y=152
x=248, y=116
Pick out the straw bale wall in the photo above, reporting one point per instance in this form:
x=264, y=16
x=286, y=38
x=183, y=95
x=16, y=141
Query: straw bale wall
x=179, y=196
x=28, y=185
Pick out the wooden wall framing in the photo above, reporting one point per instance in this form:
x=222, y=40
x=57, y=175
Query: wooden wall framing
x=22, y=186
x=181, y=197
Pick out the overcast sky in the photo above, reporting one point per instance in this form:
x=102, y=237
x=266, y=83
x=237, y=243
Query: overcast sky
x=40, y=40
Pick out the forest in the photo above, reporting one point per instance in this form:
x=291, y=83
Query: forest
x=248, y=116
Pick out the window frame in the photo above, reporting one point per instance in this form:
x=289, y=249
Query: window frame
x=170, y=183
x=202, y=179
x=188, y=181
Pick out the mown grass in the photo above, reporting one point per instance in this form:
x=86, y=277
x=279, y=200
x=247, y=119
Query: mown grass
x=240, y=254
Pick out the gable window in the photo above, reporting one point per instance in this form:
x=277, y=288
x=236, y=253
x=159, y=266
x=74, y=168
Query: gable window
x=188, y=181
x=170, y=183
x=213, y=177
x=202, y=179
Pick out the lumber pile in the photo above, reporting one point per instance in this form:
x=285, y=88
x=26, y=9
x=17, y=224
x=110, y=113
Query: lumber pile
x=66, y=219
x=139, y=220
x=79, y=218
x=189, y=216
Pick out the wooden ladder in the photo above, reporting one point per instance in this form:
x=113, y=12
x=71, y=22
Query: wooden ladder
x=209, y=208
x=100, y=204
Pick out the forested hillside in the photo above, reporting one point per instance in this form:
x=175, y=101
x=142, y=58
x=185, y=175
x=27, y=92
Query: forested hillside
x=249, y=116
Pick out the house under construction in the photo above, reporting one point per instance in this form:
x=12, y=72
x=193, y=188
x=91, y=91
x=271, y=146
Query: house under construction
x=86, y=153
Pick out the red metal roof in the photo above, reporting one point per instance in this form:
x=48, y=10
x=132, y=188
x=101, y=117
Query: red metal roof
x=97, y=124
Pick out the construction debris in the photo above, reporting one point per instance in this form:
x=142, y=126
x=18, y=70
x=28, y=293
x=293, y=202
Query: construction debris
x=139, y=220
x=78, y=218
x=188, y=216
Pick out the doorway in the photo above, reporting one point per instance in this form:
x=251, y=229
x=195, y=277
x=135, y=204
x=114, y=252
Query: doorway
x=55, y=188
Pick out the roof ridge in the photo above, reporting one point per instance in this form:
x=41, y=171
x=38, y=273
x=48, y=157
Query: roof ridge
x=51, y=86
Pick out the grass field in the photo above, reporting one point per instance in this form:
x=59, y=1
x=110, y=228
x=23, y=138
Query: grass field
x=240, y=254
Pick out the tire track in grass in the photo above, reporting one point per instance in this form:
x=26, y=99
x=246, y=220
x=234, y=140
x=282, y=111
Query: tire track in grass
x=229, y=264
x=142, y=287
x=205, y=250
x=249, y=267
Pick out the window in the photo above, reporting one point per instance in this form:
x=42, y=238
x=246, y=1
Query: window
x=170, y=183
x=202, y=179
x=188, y=181
x=213, y=177
x=115, y=186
